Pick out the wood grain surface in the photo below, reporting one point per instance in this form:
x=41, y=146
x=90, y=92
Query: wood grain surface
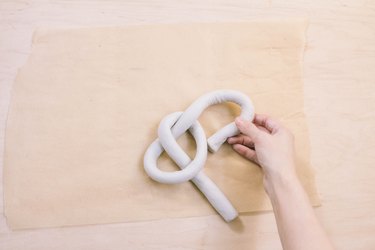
x=339, y=79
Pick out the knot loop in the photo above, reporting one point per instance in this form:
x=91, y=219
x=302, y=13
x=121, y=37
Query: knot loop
x=176, y=124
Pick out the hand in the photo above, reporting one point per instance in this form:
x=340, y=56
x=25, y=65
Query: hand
x=267, y=143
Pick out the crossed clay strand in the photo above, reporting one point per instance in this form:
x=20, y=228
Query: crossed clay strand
x=176, y=124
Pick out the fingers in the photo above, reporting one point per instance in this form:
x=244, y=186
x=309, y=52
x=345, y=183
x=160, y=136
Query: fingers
x=246, y=152
x=241, y=139
x=267, y=122
x=248, y=128
x=263, y=129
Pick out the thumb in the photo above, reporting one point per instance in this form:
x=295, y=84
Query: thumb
x=247, y=128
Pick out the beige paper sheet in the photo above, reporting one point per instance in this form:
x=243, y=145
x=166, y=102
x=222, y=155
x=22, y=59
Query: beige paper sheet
x=88, y=102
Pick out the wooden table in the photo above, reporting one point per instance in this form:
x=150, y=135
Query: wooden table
x=339, y=78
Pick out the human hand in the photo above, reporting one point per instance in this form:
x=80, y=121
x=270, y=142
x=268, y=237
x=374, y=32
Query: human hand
x=267, y=143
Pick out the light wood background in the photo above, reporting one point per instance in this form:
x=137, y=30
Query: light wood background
x=339, y=78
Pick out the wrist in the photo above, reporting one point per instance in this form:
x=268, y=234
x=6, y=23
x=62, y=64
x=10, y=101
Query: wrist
x=280, y=182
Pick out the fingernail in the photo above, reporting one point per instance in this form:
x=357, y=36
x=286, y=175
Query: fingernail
x=239, y=121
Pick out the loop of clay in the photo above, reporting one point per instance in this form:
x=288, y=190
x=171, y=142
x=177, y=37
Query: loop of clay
x=176, y=124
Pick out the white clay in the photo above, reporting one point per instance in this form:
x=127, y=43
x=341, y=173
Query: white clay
x=176, y=124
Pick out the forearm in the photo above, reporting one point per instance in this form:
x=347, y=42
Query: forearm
x=296, y=221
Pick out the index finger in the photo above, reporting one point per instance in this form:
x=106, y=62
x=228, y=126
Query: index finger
x=267, y=122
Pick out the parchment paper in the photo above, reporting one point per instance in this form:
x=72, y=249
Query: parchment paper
x=88, y=102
